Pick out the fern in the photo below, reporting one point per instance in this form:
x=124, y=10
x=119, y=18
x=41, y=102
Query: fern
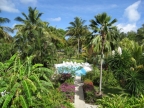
x=12, y=80
x=48, y=83
x=23, y=102
x=2, y=99
x=27, y=91
x=31, y=85
x=35, y=79
x=42, y=69
x=7, y=100
x=36, y=66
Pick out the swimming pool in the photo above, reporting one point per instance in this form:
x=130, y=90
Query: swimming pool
x=75, y=70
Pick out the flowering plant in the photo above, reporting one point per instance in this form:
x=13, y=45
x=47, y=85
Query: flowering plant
x=68, y=90
x=89, y=91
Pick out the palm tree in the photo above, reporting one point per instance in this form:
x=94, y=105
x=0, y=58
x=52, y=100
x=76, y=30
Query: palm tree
x=36, y=37
x=77, y=30
x=32, y=38
x=28, y=30
x=30, y=24
x=102, y=24
x=4, y=29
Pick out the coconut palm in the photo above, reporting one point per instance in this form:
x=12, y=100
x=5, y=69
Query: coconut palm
x=35, y=37
x=32, y=37
x=102, y=24
x=4, y=29
x=30, y=24
x=28, y=30
x=77, y=30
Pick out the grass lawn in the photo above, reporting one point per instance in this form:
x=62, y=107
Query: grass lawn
x=113, y=90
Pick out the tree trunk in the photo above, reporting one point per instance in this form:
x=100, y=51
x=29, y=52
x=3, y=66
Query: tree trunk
x=101, y=65
x=78, y=47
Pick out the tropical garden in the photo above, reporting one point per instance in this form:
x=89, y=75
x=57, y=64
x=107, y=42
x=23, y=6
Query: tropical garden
x=27, y=73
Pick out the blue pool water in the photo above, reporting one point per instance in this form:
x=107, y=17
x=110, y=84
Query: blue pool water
x=78, y=71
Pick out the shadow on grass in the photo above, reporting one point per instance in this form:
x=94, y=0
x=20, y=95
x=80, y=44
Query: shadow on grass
x=114, y=90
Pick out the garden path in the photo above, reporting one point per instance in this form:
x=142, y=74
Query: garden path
x=79, y=97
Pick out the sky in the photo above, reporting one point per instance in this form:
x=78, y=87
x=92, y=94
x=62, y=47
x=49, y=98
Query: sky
x=129, y=13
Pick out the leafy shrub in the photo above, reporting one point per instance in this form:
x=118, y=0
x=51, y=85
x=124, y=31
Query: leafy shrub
x=93, y=75
x=55, y=99
x=68, y=90
x=134, y=84
x=89, y=91
x=88, y=82
x=64, y=77
x=109, y=79
x=119, y=64
x=121, y=101
x=25, y=84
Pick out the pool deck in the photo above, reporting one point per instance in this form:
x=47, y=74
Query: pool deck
x=79, y=97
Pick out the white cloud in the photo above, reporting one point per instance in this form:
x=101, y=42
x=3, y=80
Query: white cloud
x=131, y=12
x=28, y=1
x=14, y=25
x=127, y=27
x=8, y=5
x=55, y=19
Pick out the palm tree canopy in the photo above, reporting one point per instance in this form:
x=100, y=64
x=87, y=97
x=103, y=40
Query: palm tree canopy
x=77, y=27
x=5, y=29
x=103, y=26
x=102, y=23
x=33, y=16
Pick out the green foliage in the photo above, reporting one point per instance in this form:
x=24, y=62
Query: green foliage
x=55, y=99
x=69, y=51
x=25, y=82
x=120, y=64
x=121, y=101
x=109, y=79
x=134, y=83
x=93, y=75
x=126, y=72
x=23, y=101
x=89, y=91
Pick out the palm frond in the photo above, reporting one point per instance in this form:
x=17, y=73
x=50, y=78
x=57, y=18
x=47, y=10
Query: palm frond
x=23, y=102
x=31, y=84
x=25, y=16
x=19, y=19
x=27, y=91
x=7, y=100
x=4, y=20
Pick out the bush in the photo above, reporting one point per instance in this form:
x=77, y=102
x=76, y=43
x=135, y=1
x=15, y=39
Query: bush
x=68, y=90
x=120, y=64
x=134, y=83
x=93, y=75
x=121, y=101
x=109, y=79
x=64, y=77
x=89, y=91
x=55, y=99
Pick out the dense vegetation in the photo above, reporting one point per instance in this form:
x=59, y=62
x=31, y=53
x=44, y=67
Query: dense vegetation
x=27, y=77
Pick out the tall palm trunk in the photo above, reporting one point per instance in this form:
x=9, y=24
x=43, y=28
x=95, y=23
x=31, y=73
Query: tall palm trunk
x=101, y=64
x=78, y=47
